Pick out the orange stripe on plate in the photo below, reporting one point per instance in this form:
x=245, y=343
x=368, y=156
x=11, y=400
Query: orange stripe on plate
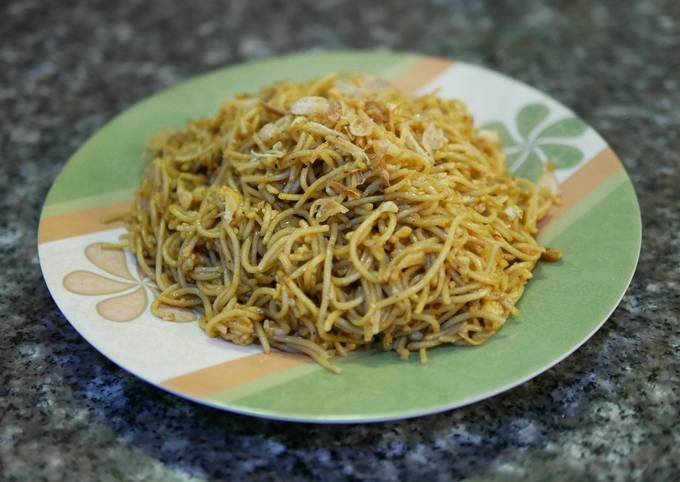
x=82, y=222
x=205, y=382
x=422, y=73
x=584, y=181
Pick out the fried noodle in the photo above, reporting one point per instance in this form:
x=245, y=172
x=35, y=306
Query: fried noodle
x=334, y=215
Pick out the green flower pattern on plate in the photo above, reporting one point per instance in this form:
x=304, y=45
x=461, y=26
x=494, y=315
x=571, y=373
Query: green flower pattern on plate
x=539, y=144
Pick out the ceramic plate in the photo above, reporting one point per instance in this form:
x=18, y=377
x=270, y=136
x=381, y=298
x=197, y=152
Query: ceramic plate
x=103, y=296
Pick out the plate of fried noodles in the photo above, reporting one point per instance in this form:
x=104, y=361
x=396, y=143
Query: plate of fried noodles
x=341, y=237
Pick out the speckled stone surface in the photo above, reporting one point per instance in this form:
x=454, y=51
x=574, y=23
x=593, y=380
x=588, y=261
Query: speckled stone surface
x=609, y=412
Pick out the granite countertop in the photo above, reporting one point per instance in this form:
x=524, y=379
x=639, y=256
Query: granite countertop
x=608, y=412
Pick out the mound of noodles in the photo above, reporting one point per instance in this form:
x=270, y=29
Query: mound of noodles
x=337, y=214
